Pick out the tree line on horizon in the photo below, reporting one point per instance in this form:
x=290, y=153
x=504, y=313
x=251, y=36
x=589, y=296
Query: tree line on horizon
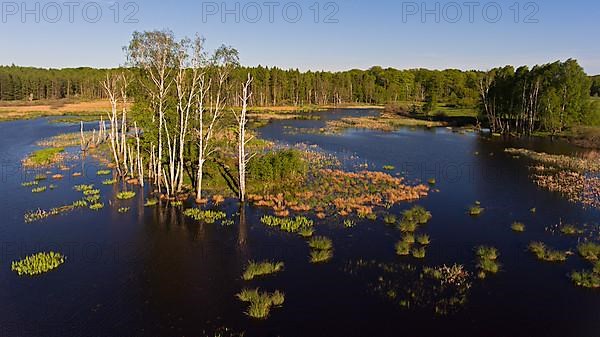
x=549, y=97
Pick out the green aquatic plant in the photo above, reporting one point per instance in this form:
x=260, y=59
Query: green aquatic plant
x=227, y=222
x=487, y=253
x=44, y=157
x=586, y=279
x=407, y=226
x=320, y=256
x=92, y=199
x=40, y=177
x=423, y=239
x=125, y=195
x=96, y=206
x=589, y=251
x=388, y=167
x=151, y=202
x=569, y=230
x=109, y=182
x=39, y=189
x=52, y=186
x=206, y=216
x=349, y=223
x=487, y=260
x=456, y=274
x=518, y=227
x=290, y=225
x=403, y=248
x=320, y=243
x=389, y=219
x=83, y=188
x=176, y=203
x=418, y=252
x=417, y=214
x=80, y=204
x=306, y=232
x=431, y=181
x=124, y=209
x=91, y=192
x=30, y=183
x=260, y=302
x=38, y=263
x=372, y=216
x=542, y=252
x=476, y=210
x=103, y=172
x=409, y=238
x=255, y=269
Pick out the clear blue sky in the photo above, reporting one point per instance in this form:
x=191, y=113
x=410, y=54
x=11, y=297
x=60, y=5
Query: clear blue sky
x=379, y=32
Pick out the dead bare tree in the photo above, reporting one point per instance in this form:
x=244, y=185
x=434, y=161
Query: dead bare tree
x=243, y=156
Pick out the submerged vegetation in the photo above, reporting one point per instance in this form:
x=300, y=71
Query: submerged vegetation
x=261, y=302
x=255, y=269
x=38, y=263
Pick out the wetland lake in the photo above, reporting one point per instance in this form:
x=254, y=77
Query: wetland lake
x=132, y=270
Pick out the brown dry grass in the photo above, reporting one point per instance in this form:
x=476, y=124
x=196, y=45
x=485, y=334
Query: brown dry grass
x=52, y=108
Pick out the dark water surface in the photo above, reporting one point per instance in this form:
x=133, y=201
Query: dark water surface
x=152, y=272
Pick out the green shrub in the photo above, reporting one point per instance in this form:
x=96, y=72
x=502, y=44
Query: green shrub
x=283, y=165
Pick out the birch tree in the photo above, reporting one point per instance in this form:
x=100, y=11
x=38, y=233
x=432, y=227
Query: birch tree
x=242, y=121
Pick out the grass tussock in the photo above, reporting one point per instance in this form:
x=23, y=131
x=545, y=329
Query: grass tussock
x=125, y=195
x=518, y=227
x=290, y=225
x=255, y=269
x=206, y=216
x=38, y=263
x=487, y=260
x=542, y=252
x=589, y=251
x=586, y=279
x=322, y=249
x=320, y=256
x=476, y=210
x=260, y=302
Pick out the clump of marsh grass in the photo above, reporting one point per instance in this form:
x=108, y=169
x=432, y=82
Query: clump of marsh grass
x=320, y=242
x=418, y=252
x=30, y=183
x=255, y=269
x=476, y=210
x=423, y=239
x=431, y=181
x=92, y=198
x=91, y=192
x=403, y=248
x=349, y=223
x=83, y=187
x=80, y=204
x=417, y=214
x=518, y=227
x=103, y=172
x=96, y=206
x=455, y=275
x=589, y=251
x=487, y=260
x=260, y=302
x=322, y=249
x=407, y=226
x=290, y=225
x=586, y=279
x=306, y=232
x=388, y=167
x=409, y=238
x=38, y=263
x=206, y=216
x=389, y=219
x=123, y=209
x=40, y=177
x=40, y=189
x=151, y=202
x=542, y=252
x=569, y=230
x=109, y=182
x=320, y=256
x=125, y=195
